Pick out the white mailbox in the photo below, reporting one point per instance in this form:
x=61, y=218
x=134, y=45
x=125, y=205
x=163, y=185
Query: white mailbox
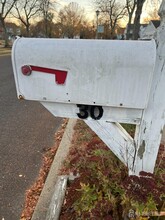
x=102, y=73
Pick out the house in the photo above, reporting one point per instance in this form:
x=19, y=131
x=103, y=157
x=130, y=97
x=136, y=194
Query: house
x=12, y=30
x=131, y=27
x=149, y=31
x=120, y=33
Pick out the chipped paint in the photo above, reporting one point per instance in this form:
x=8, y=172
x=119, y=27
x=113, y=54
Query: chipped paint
x=141, y=150
x=149, y=137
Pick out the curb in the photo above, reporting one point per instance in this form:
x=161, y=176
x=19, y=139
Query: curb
x=57, y=198
x=42, y=206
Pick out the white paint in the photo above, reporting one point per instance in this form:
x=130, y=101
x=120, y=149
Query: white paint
x=163, y=136
x=100, y=72
x=148, y=32
x=111, y=114
x=117, y=139
x=152, y=124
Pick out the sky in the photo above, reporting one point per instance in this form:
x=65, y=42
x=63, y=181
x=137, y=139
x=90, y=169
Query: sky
x=86, y=4
x=90, y=9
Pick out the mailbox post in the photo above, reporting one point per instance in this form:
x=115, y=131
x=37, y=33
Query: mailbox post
x=153, y=121
x=104, y=83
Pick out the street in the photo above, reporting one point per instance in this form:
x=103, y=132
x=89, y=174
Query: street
x=26, y=129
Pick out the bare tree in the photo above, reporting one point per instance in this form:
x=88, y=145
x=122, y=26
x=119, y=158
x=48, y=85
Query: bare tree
x=47, y=10
x=113, y=11
x=5, y=8
x=130, y=5
x=37, y=29
x=152, y=12
x=71, y=17
x=25, y=11
x=139, y=7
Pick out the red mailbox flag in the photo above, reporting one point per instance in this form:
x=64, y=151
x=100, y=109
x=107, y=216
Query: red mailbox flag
x=60, y=75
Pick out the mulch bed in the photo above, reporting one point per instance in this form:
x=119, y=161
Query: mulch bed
x=86, y=149
x=89, y=156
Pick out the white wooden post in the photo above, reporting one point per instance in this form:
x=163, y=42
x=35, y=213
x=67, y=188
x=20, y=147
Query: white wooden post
x=153, y=120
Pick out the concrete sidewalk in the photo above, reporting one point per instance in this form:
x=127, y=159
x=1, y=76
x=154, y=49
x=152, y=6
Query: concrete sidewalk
x=42, y=207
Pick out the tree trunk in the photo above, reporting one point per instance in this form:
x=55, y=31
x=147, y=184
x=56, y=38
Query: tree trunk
x=46, y=27
x=5, y=32
x=137, y=19
x=129, y=27
x=130, y=5
x=27, y=30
